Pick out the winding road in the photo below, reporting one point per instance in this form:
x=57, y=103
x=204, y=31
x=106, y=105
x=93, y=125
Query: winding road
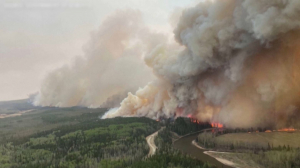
x=151, y=143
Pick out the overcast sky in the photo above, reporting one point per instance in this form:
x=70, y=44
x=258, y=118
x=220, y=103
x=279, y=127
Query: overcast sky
x=37, y=36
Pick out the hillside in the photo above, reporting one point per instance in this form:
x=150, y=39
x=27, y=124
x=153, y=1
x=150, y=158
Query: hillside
x=77, y=137
x=14, y=106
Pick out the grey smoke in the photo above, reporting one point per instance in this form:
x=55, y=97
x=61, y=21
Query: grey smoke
x=214, y=71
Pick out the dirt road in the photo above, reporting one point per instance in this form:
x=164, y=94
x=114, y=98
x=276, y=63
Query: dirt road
x=151, y=143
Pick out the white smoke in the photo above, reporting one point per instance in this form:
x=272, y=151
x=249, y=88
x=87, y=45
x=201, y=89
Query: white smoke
x=112, y=65
x=208, y=73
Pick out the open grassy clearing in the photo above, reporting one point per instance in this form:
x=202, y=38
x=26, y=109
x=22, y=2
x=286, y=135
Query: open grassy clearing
x=239, y=159
x=267, y=159
x=250, y=141
x=266, y=150
x=276, y=139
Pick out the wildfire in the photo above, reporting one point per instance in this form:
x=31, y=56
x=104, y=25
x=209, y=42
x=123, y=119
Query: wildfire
x=194, y=120
x=217, y=125
x=286, y=130
x=180, y=111
x=282, y=130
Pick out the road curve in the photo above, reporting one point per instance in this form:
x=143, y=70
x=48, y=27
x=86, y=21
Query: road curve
x=151, y=143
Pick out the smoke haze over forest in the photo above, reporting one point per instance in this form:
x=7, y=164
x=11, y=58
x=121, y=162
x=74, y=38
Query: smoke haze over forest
x=38, y=37
x=232, y=61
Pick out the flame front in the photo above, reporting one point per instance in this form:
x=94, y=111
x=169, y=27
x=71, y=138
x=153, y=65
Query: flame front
x=226, y=67
x=287, y=130
x=217, y=125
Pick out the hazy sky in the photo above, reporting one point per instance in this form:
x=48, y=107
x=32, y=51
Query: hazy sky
x=37, y=36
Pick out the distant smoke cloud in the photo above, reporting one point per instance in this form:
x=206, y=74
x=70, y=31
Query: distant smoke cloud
x=112, y=65
x=235, y=63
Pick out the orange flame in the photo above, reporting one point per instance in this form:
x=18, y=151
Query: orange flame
x=217, y=125
x=194, y=120
x=286, y=130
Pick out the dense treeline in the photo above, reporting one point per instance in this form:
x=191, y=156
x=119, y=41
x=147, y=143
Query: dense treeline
x=168, y=157
x=93, y=142
x=277, y=158
x=85, y=122
x=42, y=122
x=183, y=126
x=86, y=141
x=170, y=160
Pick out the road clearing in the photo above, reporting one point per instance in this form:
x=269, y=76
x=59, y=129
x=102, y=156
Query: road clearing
x=15, y=114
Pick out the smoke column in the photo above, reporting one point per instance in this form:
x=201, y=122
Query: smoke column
x=111, y=67
x=235, y=62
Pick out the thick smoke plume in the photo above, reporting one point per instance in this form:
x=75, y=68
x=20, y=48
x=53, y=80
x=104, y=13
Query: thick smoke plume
x=111, y=67
x=236, y=62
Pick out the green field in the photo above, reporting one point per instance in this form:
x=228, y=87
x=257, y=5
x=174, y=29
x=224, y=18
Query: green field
x=263, y=159
x=266, y=150
x=276, y=139
x=257, y=140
